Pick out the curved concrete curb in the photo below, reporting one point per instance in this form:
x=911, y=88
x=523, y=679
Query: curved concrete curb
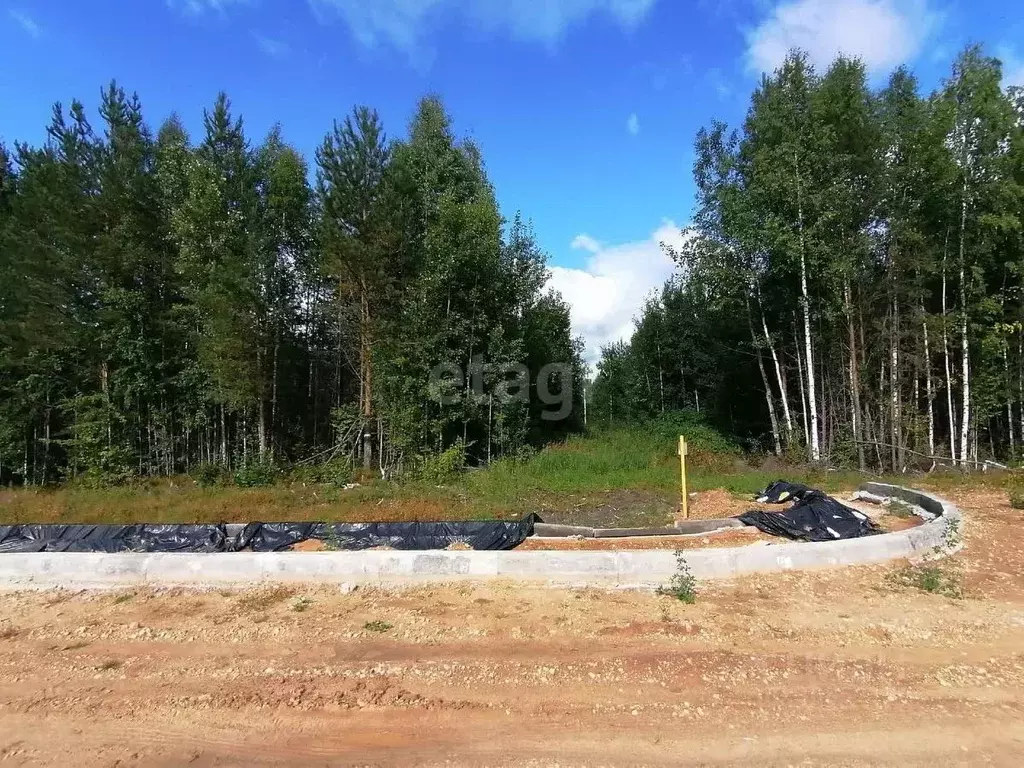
x=627, y=569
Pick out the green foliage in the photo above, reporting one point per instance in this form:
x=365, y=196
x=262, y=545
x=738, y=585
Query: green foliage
x=1016, y=496
x=377, y=626
x=443, y=467
x=935, y=578
x=207, y=475
x=336, y=472
x=257, y=474
x=682, y=586
x=168, y=302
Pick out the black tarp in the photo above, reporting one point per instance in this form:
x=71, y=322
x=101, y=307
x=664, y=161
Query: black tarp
x=814, y=516
x=263, y=537
x=138, y=537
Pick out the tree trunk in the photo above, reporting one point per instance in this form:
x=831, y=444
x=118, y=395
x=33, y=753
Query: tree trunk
x=855, y=421
x=949, y=377
x=928, y=387
x=778, y=375
x=767, y=388
x=1009, y=402
x=964, y=344
x=366, y=374
x=815, y=448
x=800, y=379
x=895, y=417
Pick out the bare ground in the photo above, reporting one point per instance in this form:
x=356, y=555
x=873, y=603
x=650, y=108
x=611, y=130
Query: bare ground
x=827, y=668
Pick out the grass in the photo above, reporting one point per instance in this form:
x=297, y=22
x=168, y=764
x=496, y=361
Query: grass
x=377, y=626
x=937, y=579
x=642, y=460
x=300, y=604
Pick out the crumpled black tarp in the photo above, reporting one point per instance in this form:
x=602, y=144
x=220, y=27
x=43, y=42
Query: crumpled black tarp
x=814, y=516
x=139, y=537
x=263, y=537
x=483, y=534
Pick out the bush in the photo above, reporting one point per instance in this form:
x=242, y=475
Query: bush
x=683, y=585
x=336, y=472
x=442, y=467
x=256, y=475
x=1017, y=499
x=207, y=475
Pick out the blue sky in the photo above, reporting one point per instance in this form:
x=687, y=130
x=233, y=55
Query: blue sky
x=586, y=110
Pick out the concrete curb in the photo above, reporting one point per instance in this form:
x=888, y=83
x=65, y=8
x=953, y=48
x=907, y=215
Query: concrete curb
x=624, y=569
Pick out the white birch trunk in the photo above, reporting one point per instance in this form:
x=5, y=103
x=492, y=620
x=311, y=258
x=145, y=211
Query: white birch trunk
x=803, y=393
x=808, y=353
x=782, y=382
x=928, y=389
x=767, y=387
x=894, y=388
x=964, y=344
x=949, y=378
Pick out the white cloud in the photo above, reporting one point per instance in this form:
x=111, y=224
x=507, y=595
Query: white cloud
x=403, y=23
x=26, y=22
x=883, y=33
x=197, y=7
x=273, y=48
x=607, y=293
x=633, y=124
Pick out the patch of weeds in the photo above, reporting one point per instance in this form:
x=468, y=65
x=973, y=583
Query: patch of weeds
x=109, y=664
x=929, y=577
x=377, y=626
x=1017, y=498
x=951, y=537
x=300, y=604
x=123, y=598
x=900, y=508
x=262, y=599
x=683, y=585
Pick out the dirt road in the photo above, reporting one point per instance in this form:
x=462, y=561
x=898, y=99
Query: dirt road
x=836, y=668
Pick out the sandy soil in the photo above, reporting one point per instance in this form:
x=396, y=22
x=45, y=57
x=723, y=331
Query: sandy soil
x=828, y=668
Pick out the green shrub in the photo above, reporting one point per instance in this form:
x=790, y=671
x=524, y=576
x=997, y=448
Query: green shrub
x=208, y=474
x=443, y=467
x=256, y=475
x=683, y=585
x=1016, y=498
x=336, y=472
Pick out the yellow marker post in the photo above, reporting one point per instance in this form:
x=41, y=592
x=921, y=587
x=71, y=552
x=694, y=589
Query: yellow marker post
x=682, y=475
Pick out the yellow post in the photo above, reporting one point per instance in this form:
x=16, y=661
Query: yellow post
x=682, y=475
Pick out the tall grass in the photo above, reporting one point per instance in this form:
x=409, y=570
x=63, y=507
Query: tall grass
x=641, y=458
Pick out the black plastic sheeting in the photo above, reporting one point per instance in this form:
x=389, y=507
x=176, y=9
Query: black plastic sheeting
x=141, y=537
x=263, y=537
x=814, y=516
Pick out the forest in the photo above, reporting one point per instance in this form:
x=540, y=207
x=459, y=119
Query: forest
x=851, y=290
x=174, y=305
